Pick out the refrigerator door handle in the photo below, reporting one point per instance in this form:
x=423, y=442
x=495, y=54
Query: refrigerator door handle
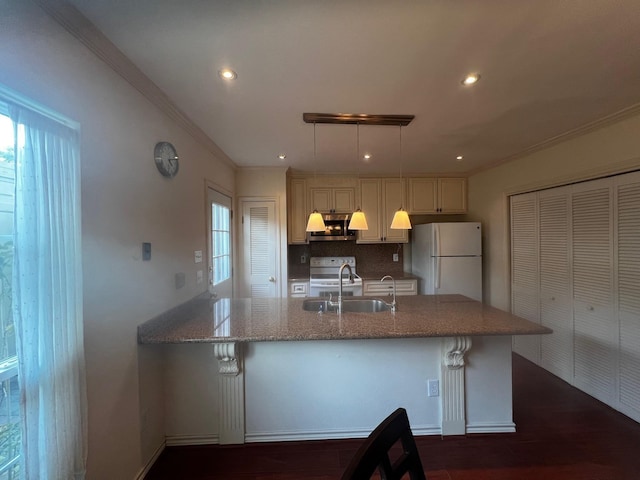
x=436, y=240
x=437, y=274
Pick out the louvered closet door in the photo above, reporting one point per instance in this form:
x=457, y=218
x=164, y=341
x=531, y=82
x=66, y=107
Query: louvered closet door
x=524, y=271
x=260, y=257
x=628, y=236
x=595, y=326
x=556, y=350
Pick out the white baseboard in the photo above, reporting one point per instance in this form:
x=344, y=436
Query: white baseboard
x=506, y=427
x=142, y=473
x=327, y=434
x=177, y=440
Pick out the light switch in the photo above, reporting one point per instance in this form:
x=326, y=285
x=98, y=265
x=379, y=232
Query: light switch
x=146, y=251
x=198, y=256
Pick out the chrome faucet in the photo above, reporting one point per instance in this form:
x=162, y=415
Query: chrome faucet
x=393, y=303
x=342, y=267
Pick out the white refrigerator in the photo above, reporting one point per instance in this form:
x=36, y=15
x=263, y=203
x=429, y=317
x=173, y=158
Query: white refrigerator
x=447, y=258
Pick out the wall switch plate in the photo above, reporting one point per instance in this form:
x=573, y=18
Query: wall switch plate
x=146, y=251
x=433, y=387
x=303, y=259
x=197, y=255
x=199, y=276
x=395, y=257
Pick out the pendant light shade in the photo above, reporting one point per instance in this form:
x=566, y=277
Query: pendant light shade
x=401, y=220
x=401, y=217
x=358, y=221
x=316, y=222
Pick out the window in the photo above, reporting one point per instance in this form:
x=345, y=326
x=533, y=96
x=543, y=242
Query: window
x=42, y=384
x=10, y=434
x=220, y=243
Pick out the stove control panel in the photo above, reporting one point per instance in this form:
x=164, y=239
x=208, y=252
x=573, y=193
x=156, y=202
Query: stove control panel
x=331, y=261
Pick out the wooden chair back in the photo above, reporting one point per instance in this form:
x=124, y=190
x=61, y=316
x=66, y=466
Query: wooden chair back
x=374, y=453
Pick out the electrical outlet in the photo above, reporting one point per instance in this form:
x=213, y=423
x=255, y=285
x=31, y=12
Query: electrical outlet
x=395, y=257
x=199, y=276
x=303, y=259
x=433, y=388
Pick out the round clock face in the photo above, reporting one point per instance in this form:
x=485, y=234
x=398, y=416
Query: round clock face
x=166, y=159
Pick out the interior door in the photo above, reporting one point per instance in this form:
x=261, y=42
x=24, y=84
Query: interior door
x=260, y=253
x=220, y=245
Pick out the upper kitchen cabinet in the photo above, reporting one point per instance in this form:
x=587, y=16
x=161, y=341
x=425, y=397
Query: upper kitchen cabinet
x=297, y=211
x=429, y=195
x=379, y=200
x=333, y=200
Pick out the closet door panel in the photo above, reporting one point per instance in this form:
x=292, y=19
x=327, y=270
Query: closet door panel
x=524, y=271
x=556, y=350
x=628, y=268
x=595, y=326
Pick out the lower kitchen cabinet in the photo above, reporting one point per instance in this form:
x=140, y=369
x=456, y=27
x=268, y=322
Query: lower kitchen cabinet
x=376, y=288
x=298, y=289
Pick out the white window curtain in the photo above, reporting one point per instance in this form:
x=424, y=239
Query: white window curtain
x=47, y=297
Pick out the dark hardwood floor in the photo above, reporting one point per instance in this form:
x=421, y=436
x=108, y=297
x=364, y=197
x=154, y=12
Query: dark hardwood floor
x=562, y=434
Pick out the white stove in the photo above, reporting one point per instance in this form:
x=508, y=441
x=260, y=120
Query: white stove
x=324, y=282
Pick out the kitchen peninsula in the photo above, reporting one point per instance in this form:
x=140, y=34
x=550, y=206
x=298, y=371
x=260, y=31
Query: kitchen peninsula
x=290, y=374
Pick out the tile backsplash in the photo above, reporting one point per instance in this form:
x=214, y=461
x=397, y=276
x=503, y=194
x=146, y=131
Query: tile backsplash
x=371, y=260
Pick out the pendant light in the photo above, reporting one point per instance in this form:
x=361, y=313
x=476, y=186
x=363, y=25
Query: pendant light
x=401, y=217
x=315, y=222
x=358, y=220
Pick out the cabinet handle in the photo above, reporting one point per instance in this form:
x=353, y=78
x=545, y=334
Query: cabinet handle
x=590, y=308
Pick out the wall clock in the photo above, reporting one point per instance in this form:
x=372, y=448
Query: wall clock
x=166, y=159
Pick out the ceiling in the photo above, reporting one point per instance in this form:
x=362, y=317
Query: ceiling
x=547, y=68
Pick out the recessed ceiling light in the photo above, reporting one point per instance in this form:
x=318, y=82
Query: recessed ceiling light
x=282, y=156
x=471, y=79
x=367, y=156
x=459, y=157
x=228, y=74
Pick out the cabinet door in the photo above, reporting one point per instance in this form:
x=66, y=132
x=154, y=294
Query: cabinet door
x=525, y=296
x=628, y=206
x=452, y=195
x=371, y=205
x=392, y=190
x=344, y=200
x=556, y=350
x=321, y=199
x=596, y=329
x=297, y=211
x=423, y=195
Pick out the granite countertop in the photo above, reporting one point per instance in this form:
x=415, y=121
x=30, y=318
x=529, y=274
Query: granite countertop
x=282, y=319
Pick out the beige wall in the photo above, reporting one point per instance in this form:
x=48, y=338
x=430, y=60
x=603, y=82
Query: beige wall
x=125, y=202
x=611, y=149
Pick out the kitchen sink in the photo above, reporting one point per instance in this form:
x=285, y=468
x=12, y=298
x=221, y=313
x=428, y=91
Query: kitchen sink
x=363, y=305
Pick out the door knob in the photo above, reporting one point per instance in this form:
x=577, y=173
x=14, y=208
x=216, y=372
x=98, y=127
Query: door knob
x=272, y=279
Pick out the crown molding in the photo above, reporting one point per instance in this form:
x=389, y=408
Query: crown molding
x=616, y=117
x=72, y=20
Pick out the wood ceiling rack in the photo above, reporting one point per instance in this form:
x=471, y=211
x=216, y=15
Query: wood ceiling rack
x=358, y=118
